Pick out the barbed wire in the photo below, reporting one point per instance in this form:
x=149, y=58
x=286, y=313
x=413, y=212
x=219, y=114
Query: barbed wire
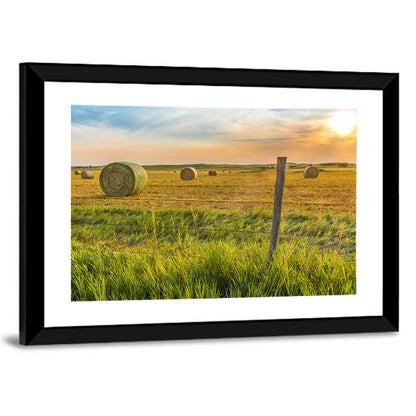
x=209, y=228
x=105, y=198
x=161, y=228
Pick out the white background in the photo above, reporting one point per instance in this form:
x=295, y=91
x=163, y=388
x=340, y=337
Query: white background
x=322, y=375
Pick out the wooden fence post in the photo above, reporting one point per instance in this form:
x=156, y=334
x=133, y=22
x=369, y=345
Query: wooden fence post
x=277, y=207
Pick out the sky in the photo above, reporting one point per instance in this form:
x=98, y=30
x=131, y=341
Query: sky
x=179, y=135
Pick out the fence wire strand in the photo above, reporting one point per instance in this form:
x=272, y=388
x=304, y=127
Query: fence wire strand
x=161, y=229
x=104, y=198
x=191, y=229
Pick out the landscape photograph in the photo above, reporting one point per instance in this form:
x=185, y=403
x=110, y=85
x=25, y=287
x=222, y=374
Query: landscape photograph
x=178, y=202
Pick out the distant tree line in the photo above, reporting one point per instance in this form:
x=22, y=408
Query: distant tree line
x=337, y=164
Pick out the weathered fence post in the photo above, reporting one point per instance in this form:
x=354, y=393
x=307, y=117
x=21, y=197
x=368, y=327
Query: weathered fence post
x=277, y=207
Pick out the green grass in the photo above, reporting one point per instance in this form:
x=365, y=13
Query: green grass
x=121, y=253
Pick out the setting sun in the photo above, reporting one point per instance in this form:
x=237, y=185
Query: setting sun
x=343, y=122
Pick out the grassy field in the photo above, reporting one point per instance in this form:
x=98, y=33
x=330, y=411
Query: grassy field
x=209, y=237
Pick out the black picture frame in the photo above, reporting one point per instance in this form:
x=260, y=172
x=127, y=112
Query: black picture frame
x=32, y=286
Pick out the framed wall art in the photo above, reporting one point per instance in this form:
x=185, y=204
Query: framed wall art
x=177, y=203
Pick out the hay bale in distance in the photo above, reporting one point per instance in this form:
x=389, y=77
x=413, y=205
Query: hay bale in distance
x=87, y=174
x=311, y=172
x=122, y=179
x=188, y=174
x=77, y=172
x=212, y=173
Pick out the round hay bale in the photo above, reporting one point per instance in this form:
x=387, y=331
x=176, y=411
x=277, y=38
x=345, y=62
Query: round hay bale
x=212, y=173
x=188, y=174
x=311, y=172
x=122, y=179
x=77, y=172
x=87, y=174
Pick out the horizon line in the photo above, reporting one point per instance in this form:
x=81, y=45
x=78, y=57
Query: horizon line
x=222, y=164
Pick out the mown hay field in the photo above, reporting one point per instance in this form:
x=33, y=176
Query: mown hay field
x=209, y=237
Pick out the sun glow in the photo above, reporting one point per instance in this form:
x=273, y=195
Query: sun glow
x=343, y=122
